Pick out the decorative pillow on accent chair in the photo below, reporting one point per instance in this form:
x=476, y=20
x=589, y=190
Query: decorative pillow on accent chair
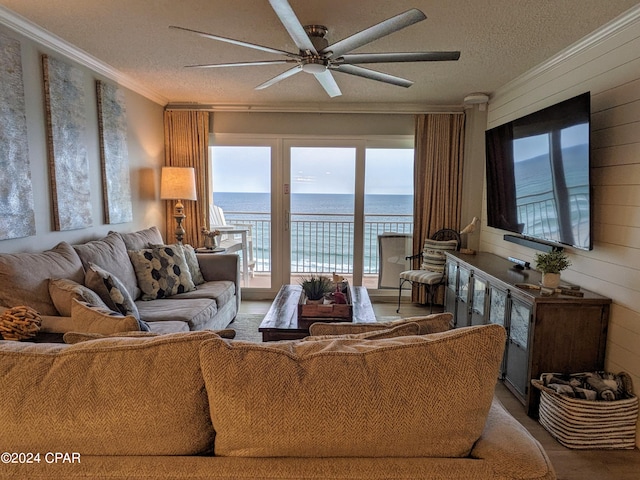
x=161, y=272
x=433, y=257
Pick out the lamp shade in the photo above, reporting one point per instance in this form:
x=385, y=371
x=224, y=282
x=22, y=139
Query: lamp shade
x=178, y=183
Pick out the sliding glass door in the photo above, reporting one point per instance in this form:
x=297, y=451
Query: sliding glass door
x=314, y=205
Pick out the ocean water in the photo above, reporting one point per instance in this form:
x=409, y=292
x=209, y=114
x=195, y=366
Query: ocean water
x=321, y=227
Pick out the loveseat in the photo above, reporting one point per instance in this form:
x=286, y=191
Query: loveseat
x=128, y=281
x=194, y=405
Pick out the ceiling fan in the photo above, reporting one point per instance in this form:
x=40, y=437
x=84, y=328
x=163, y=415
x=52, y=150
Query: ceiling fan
x=318, y=58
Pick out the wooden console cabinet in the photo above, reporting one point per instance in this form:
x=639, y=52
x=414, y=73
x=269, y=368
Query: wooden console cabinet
x=556, y=333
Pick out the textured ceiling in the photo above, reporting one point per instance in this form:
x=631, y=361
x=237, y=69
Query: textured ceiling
x=498, y=40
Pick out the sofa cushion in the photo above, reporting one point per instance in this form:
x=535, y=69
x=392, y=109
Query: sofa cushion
x=113, y=292
x=96, y=319
x=413, y=396
x=196, y=312
x=221, y=291
x=110, y=254
x=161, y=272
x=99, y=398
x=142, y=238
x=24, y=277
x=63, y=291
x=434, y=323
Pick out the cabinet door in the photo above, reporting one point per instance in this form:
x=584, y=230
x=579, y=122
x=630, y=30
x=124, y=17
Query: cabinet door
x=450, y=294
x=517, y=357
x=478, y=300
x=464, y=287
x=497, y=313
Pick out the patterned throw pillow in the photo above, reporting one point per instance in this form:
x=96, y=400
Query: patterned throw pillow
x=190, y=257
x=433, y=257
x=64, y=290
x=113, y=293
x=161, y=272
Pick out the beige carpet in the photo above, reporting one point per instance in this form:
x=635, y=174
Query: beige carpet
x=246, y=326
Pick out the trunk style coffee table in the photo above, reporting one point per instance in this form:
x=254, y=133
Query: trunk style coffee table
x=281, y=321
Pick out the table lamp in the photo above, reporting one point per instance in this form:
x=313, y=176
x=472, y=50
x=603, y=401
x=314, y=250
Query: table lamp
x=178, y=183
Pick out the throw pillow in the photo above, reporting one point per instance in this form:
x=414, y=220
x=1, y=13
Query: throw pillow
x=161, y=272
x=92, y=319
x=339, y=397
x=399, y=331
x=190, y=258
x=433, y=257
x=64, y=290
x=113, y=293
x=433, y=323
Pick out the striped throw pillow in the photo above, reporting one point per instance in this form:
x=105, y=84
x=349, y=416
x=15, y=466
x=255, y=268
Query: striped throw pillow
x=433, y=257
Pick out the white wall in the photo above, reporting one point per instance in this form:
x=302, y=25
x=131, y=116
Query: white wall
x=145, y=137
x=608, y=65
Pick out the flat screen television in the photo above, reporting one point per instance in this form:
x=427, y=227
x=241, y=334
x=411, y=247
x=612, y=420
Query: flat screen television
x=538, y=175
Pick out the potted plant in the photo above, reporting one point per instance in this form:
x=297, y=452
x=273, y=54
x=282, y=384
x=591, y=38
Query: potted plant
x=551, y=264
x=315, y=288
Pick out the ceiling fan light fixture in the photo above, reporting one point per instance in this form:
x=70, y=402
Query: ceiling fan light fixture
x=314, y=65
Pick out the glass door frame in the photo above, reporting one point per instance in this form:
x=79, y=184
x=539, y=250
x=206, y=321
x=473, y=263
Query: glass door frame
x=358, y=208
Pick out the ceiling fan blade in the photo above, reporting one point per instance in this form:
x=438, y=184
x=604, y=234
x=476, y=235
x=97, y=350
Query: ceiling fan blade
x=374, y=32
x=241, y=64
x=288, y=18
x=238, y=42
x=282, y=76
x=328, y=83
x=372, y=75
x=356, y=58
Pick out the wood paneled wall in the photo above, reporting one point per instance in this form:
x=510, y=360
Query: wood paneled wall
x=608, y=65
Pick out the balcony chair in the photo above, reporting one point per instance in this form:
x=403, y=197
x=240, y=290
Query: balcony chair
x=234, y=238
x=432, y=271
x=393, y=249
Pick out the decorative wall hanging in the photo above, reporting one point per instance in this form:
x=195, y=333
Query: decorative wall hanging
x=114, y=157
x=68, y=165
x=17, y=218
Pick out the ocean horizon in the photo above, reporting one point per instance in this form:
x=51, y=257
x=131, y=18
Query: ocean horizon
x=321, y=227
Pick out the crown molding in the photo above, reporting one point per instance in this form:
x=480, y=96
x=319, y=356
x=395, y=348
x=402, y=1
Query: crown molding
x=56, y=44
x=597, y=37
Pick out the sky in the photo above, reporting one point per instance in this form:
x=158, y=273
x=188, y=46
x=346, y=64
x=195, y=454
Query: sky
x=529, y=147
x=314, y=170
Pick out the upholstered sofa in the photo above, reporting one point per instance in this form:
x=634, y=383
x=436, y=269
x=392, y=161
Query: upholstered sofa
x=194, y=405
x=129, y=281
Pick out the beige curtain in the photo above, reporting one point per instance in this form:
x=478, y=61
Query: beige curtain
x=186, y=144
x=438, y=160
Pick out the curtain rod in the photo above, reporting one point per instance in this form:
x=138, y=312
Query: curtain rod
x=373, y=109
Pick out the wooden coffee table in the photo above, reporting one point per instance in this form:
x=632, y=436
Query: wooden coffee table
x=281, y=321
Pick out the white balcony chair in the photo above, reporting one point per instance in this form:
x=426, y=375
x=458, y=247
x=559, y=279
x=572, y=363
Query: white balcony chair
x=393, y=249
x=234, y=238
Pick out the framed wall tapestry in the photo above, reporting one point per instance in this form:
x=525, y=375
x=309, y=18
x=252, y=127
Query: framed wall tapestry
x=68, y=164
x=17, y=218
x=114, y=157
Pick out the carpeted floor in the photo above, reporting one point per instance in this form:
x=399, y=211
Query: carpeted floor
x=246, y=326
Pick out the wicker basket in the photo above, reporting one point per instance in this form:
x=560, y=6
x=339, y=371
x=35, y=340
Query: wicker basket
x=588, y=424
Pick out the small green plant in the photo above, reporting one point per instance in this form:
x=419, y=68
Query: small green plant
x=552, y=262
x=315, y=287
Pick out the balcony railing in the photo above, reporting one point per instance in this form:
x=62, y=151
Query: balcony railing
x=321, y=243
